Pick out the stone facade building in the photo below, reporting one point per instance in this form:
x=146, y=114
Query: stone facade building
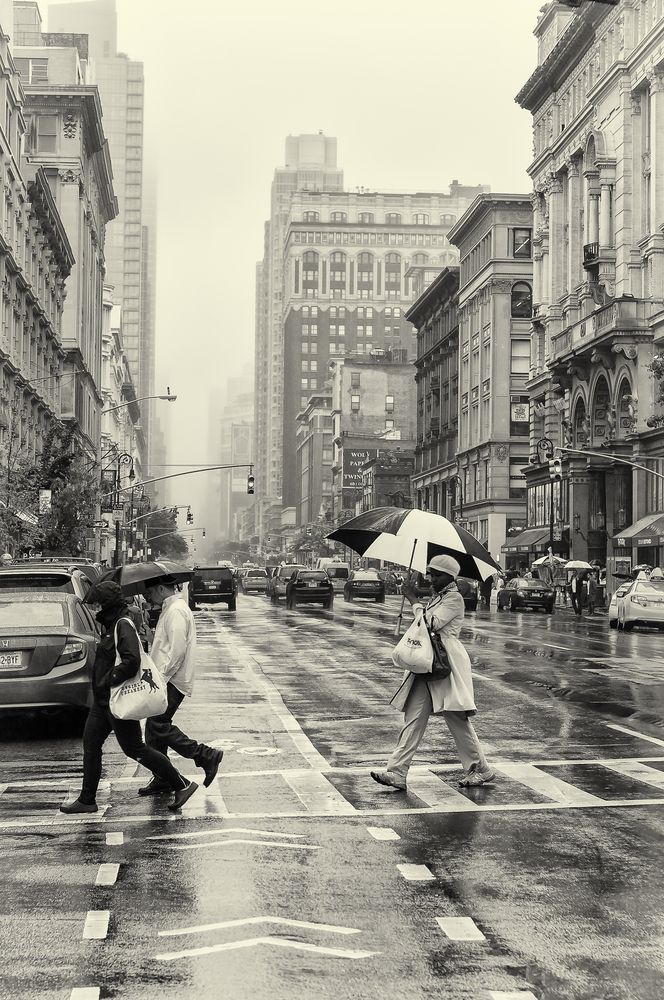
x=495, y=309
x=35, y=264
x=315, y=432
x=597, y=101
x=435, y=316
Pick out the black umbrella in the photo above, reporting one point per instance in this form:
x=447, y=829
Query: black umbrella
x=132, y=576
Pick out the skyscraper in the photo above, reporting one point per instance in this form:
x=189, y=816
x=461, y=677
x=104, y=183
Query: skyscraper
x=310, y=165
x=121, y=88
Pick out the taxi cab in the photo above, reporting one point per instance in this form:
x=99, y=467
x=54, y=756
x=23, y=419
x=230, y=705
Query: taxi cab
x=613, y=603
x=643, y=603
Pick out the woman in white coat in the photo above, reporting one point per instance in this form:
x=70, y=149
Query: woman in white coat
x=420, y=695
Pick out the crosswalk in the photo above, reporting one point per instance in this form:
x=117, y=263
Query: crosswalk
x=350, y=792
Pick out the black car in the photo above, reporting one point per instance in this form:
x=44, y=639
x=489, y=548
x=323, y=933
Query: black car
x=365, y=583
x=309, y=586
x=212, y=585
x=467, y=588
x=519, y=594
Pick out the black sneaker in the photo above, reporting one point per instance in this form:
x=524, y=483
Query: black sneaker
x=210, y=760
x=183, y=795
x=155, y=787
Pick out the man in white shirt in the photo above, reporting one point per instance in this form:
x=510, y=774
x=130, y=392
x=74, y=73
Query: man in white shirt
x=174, y=651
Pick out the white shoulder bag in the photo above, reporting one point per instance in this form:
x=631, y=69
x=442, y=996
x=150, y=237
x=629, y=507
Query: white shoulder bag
x=141, y=696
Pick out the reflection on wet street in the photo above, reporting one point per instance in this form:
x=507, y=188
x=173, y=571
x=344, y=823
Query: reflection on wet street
x=296, y=876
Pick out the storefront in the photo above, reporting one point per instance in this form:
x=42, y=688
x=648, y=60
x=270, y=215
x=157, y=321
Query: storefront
x=642, y=542
x=525, y=547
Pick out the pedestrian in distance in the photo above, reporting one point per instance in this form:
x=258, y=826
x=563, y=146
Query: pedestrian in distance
x=114, y=664
x=422, y=695
x=575, y=586
x=593, y=590
x=174, y=652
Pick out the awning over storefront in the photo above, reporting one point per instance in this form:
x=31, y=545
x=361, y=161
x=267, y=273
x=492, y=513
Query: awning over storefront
x=530, y=540
x=647, y=530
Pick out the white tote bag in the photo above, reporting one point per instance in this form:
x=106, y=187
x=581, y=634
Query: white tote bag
x=141, y=696
x=414, y=651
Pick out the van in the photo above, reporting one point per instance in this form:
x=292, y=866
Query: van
x=338, y=573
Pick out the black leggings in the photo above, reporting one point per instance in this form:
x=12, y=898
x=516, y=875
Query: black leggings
x=99, y=725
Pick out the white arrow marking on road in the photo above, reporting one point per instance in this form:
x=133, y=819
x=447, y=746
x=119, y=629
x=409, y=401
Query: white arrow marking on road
x=85, y=993
x=229, y=829
x=512, y=995
x=246, y=921
x=633, y=732
x=259, y=843
x=416, y=873
x=113, y=839
x=96, y=924
x=460, y=929
x=278, y=942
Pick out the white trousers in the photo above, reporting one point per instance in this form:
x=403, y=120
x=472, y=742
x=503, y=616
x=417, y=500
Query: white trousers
x=416, y=716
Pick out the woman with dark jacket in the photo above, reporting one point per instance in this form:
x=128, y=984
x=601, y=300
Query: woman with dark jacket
x=100, y=723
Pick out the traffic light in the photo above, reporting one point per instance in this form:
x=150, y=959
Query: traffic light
x=190, y=516
x=250, y=483
x=555, y=470
x=203, y=532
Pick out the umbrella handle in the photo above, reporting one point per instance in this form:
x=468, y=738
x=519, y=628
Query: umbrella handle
x=397, y=630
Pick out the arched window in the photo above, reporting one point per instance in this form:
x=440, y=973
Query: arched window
x=420, y=258
x=310, y=217
x=391, y=259
x=522, y=300
x=338, y=274
x=421, y=219
x=581, y=425
x=393, y=219
x=365, y=262
x=447, y=220
x=338, y=217
x=310, y=274
x=627, y=408
x=601, y=418
x=365, y=217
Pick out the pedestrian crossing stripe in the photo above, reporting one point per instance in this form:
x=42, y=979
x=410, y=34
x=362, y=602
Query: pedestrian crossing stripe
x=318, y=795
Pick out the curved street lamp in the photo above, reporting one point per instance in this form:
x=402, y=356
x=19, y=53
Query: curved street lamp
x=168, y=396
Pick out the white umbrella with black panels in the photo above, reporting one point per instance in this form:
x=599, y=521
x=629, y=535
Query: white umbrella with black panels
x=411, y=538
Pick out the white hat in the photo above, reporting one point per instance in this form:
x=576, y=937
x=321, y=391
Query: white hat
x=445, y=564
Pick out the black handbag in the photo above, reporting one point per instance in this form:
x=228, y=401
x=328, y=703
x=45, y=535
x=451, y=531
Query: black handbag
x=441, y=665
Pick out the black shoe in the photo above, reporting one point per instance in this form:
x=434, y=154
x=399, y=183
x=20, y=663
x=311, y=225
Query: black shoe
x=155, y=787
x=210, y=759
x=183, y=795
x=79, y=807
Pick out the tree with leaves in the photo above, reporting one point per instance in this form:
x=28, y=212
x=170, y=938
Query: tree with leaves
x=75, y=493
x=172, y=545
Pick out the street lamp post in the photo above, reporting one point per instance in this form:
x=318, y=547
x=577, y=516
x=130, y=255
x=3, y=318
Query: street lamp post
x=169, y=397
x=457, y=484
x=547, y=444
x=124, y=458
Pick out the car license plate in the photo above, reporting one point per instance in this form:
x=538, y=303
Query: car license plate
x=10, y=660
x=312, y=583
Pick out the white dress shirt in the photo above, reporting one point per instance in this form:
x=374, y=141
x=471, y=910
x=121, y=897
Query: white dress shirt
x=174, y=645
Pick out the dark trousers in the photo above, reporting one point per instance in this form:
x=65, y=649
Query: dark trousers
x=98, y=727
x=161, y=734
x=576, y=603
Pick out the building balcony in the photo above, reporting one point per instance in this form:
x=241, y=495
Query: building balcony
x=590, y=254
x=615, y=328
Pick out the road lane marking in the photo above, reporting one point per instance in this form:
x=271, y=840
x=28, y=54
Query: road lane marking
x=546, y=784
x=416, y=873
x=435, y=792
x=633, y=732
x=226, y=829
x=317, y=794
x=114, y=839
x=130, y=769
x=107, y=874
x=512, y=995
x=96, y=924
x=226, y=843
x=276, y=941
x=635, y=769
x=460, y=929
x=85, y=993
x=383, y=833
x=248, y=921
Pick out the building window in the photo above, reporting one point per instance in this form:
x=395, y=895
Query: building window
x=517, y=479
x=523, y=243
x=304, y=383
x=520, y=353
x=447, y=220
x=355, y=379
x=310, y=217
x=421, y=219
x=355, y=404
x=522, y=300
x=389, y=404
x=393, y=219
x=47, y=130
x=338, y=217
x=389, y=425
x=519, y=416
x=365, y=217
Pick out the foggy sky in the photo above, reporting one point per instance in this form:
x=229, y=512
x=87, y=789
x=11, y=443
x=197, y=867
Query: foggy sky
x=417, y=95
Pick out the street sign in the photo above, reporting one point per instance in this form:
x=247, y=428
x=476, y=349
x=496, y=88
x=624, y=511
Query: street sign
x=557, y=533
x=100, y=524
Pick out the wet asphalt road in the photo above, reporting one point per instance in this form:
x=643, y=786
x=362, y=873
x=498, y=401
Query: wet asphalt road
x=295, y=877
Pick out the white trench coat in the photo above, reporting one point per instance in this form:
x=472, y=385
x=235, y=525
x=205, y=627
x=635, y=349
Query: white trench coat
x=445, y=612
